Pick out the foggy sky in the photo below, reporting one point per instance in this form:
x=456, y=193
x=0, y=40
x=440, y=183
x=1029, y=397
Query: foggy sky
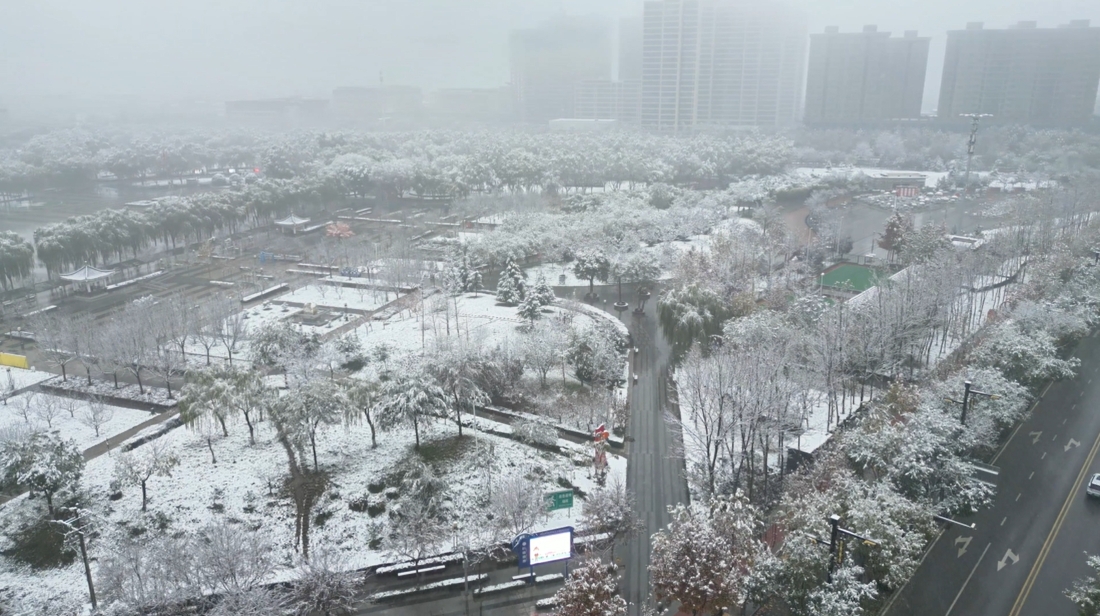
x=153, y=51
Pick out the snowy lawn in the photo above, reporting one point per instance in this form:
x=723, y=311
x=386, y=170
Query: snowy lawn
x=70, y=417
x=337, y=297
x=15, y=379
x=480, y=319
x=243, y=486
x=255, y=318
x=157, y=396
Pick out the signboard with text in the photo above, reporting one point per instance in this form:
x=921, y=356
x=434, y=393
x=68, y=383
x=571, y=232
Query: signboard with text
x=545, y=547
x=559, y=500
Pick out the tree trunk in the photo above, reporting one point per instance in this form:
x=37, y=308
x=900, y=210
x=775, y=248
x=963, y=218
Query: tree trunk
x=313, y=446
x=225, y=431
x=416, y=430
x=89, y=371
x=373, y=442
x=143, y=496
x=63, y=377
x=251, y=430
x=49, y=503
x=137, y=375
x=210, y=446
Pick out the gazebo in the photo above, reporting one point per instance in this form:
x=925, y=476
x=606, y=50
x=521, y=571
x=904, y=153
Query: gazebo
x=292, y=222
x=88, y=275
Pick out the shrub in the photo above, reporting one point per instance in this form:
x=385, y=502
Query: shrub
x=40, y=545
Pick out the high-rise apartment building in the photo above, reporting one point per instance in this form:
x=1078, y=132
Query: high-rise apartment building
x=630, y=49
x=1023, y=74
x=721, y=63
x=864, y=77
x=548, y=62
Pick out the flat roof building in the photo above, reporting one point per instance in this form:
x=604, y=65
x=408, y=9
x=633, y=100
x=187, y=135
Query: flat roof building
x=721, y=63
x=1023, y=74
x=864, y=77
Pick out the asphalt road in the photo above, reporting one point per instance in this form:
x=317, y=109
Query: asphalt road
x=655, y=470
x=1030, y=545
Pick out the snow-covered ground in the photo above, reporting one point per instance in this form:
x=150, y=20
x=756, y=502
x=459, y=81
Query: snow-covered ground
x=255, y=318
x=15, y=379
x=200, y=492
x=337, y=297
x=68, y=417
x=480, y=319
x=106, y=388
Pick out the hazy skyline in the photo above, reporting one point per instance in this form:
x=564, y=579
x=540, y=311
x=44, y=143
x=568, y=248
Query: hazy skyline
x=132, y=52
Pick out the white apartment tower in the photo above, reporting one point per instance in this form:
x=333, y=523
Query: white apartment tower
x=710, y=64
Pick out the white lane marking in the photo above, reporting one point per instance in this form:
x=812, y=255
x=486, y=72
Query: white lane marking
x=1032, y=473
x=1009, y=555
x=967, y=580
x=1004, y=520
x=1021, y=493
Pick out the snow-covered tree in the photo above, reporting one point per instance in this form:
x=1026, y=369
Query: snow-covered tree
x=45, y=463
x=137, y=467
x=512, y=286
x=518, y=504
x=530, y=309
x=611, y=510
x=700, y=558
x=16, y=258
x=542, y=292
x=411, y=396
x=590, y=591
x=458, y=368
x=592, y=266
x=1027, y=357
x=1085, y=593
x=232, y=560
x=544, y=349
x=364, y=398
x=324, y=585
x=96, y=415
x=307, y=409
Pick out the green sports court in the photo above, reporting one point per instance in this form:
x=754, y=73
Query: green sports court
x=849, y=276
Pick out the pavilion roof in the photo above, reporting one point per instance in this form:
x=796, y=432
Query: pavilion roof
x=292, y=221
x=87, y=274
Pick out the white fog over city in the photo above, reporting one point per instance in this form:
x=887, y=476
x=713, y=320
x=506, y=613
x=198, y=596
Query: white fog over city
x=515, y=307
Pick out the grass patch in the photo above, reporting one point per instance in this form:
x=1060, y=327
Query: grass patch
x=445, y=451
x=40, y=545
x=850, y=276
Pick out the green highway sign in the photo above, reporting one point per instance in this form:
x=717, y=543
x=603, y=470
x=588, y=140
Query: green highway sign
x=559, y=500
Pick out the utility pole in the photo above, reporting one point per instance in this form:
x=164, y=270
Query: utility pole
x=969, y=391
x=975, y=118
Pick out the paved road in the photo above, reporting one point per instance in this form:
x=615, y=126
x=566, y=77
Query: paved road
x=1029, y=545
x=654, y=473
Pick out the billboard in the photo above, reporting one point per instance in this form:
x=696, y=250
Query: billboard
x=551, y=547
x=545, y=547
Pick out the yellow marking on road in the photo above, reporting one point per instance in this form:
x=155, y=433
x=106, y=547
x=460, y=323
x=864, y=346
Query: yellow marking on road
x=1034, y=573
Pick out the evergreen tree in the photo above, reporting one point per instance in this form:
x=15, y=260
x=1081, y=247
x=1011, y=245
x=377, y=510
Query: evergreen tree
x=512, y=288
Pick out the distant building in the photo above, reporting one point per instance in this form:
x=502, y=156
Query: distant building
x=277, y=108
x=575, y=125
x=548, y=62
x=864, y=77
x=630, y=49
x=466, y=105
x=377, y=103
x=608, y=100
x=1023, y=74
x=721, y=63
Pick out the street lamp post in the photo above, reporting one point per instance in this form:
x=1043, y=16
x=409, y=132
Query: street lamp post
x=968, y=391
x=836, y=543
x=975, y=118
